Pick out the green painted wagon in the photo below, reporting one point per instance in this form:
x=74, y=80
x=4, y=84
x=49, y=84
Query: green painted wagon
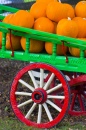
x=44, y=104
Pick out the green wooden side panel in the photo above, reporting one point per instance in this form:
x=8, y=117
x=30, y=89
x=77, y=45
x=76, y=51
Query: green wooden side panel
x=74, y=64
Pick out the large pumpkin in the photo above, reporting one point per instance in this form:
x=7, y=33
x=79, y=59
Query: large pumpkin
x=67, y=27
x=61, y=50
x=38, y=9
x=36, y=46
x=81, y=22
x=76, y=51
x=69, y=10
x=14, y=41
x=80, y=9
x=57, y=11
x=8, y=19
x=23, y=18
x=44, y=24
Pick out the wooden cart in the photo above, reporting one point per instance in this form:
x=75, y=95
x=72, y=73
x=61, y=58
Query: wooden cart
x=62, y=90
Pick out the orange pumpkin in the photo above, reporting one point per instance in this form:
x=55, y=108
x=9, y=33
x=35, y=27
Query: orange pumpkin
x=81, y=22
x=44, y=24
x=69, y=10
x=38, y=9
x=8, y=18
x=11, y=39
x=60, y=50
x=80, y=9
x=67, y=27
x=76, y=51
x=14, y=40
x=36, y=46
x=57, y=11
x=23, y=18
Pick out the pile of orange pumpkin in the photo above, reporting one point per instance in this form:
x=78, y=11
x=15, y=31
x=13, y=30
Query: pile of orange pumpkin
x=49, y=16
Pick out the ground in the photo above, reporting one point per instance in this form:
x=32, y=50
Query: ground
x=8, y=70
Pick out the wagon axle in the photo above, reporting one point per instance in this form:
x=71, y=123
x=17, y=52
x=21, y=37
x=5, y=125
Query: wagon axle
x=39, y=96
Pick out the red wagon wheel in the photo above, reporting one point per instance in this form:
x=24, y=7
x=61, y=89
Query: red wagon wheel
x=78, y=94
x=77, y=82
x=33, y=103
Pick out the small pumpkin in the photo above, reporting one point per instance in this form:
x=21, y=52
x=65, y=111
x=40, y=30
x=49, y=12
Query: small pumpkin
x=81, y=22
x=23, y=18
x=44, y=24
x=38, y=9
x=67, y=27
x=14, y=40
x=80, y=9
x=11, y=40
x=8, y=19
x=76, y=51
x=36, y=46
x=69, y=10
x=60, y=49
x=57, y=11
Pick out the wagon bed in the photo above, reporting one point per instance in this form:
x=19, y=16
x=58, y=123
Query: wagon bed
x=60, y=89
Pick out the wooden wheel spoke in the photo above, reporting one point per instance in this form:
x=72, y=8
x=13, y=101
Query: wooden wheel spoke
x=73, y=101
x=39, y=114
x=30, y=111
x=81, y=102
x=26, y=84
x=56, y=97
x=49, y=81
x=33, y=79
x=47, y=112
x=41, y=78
x=54, y=105
x=54, y=88
x=25, y=103
x=23, y=93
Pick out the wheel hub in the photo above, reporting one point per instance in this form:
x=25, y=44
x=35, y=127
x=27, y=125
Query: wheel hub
x=39, y=96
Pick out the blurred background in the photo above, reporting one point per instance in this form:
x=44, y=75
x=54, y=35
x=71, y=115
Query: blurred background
x=26, y=4
x=21, y=4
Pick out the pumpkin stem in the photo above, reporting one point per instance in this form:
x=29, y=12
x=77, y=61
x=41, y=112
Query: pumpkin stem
x=84, y=18
x=69, y=18
x=59, y=1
